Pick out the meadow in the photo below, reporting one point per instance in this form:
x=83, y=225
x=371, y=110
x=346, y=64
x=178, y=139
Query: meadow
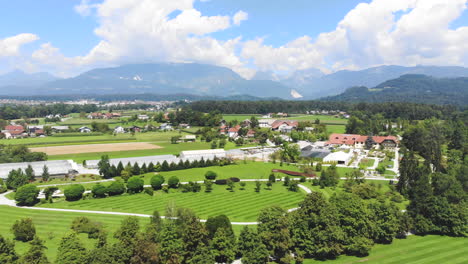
x=429, y=249
x=239, y=205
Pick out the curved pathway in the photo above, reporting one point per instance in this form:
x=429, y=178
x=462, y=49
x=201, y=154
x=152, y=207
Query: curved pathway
x=8, y=202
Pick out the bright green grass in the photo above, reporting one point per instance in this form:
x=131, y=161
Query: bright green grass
x=324, y=119
x=340, y=129
x=52, y=226
x=240, y=205
x=250, y=170
x=367, y=162
x=239, y=118
x=412, y=250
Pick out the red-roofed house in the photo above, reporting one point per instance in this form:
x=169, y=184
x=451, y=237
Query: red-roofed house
x=359, y=141
x=284, y=126
x=14, y=131
x=233, y=131
x=251, y=133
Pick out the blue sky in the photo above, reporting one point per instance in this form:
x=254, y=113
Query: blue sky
x=278, y=36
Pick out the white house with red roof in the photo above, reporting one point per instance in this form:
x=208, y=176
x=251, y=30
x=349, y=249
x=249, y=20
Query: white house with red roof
x=284, y=126
x=234, y=131
x=359, y=141
x=14, y=131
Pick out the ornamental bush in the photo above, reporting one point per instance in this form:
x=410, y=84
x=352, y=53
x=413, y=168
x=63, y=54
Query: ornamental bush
x=135, y=184
x=74, y=192
x=157, y=182
x=24, y=230
x=99, y=191
x=27, y=195
x=211, y=175
x=173, y=182
x=116, y=188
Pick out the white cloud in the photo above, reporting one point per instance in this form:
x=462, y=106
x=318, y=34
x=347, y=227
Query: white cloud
x=403, y=32
x=144, y=30
x=239, y=17
x=11, y=46
x=372, y=34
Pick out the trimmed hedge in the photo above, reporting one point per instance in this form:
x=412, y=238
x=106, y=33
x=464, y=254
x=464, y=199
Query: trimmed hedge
x=74, y=192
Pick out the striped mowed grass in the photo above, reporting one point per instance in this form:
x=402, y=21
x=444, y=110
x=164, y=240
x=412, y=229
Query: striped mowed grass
x=239, y=206
x=430, y=249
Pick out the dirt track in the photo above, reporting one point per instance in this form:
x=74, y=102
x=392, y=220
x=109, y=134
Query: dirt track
x=90, y=148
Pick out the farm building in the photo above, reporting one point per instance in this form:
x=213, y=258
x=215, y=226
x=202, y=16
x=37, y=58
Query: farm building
x=189, y=138
x=57, y=168
x=313, y=152
x=205, y=154
x=339, y=157
x=359, y=141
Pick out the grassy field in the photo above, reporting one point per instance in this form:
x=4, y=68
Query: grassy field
x=251, y=170
x=367, y=162
x=340, y=129
x=52, y=226
x=412, y=250
x=240, y=205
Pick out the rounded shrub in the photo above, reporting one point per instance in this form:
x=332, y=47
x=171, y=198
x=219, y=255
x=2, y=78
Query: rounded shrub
x=173, y=182
x=157, y=182
x=24, y=230
x=99, y=191
x=27, y=195
x=211, y=175
x=74, y=192
x=135, y=184
x=116, y=188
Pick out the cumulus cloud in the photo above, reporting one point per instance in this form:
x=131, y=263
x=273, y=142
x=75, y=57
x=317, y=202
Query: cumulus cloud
x=239, y=17
x=146, y=30
x=404, y=32
x=10, y=46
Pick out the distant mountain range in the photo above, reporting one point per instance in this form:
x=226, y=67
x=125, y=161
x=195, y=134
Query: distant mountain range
x=208, y=80
x=415, y=88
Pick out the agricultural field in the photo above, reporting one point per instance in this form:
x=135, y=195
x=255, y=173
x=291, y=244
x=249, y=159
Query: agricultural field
x=239, y=205
x=429, y=249
x=61, y=150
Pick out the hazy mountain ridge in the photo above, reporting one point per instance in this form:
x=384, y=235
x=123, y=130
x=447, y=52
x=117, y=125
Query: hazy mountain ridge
x=210, y=80
x=415, y=88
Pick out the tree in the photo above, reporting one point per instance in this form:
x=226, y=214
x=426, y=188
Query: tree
x=370, y=142
x=273, y=230
x=250, y=248
x=7, y=251
x=128, y=230
x=105, y=167
x=116, y=188
x=157, y=181
x=74, y=192
x=258, y=186
x=24, y=230
x=290, y=152
x=45, y=173
x=222, y=246
x=99, y=191
x=27, y=195
x=329, y=177
x=35, y=254
x=214, y=223
x=120, y=168
x=16, y=179
x=71, y=250
x=385, y=218
x=171, y=244
x=272, y=178
x=202, y=255
x=135, y=184
x=210, y=175
x=315, y=228
x=208, y=186
x=136, y=169
x=30, y=173
x=173, y=182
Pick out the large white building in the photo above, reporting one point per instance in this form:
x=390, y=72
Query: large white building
x=339, y=157
x=205, y=154
x=57, y=168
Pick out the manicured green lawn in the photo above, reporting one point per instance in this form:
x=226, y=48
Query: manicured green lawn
x=240, y=205
x=340, y=129
x=239, y=118
x=324, y=119
x=367, y=162
x=52, y=226
x=412, y=250
x=250, y=170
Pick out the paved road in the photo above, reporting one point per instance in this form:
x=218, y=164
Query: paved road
x=8, y=202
